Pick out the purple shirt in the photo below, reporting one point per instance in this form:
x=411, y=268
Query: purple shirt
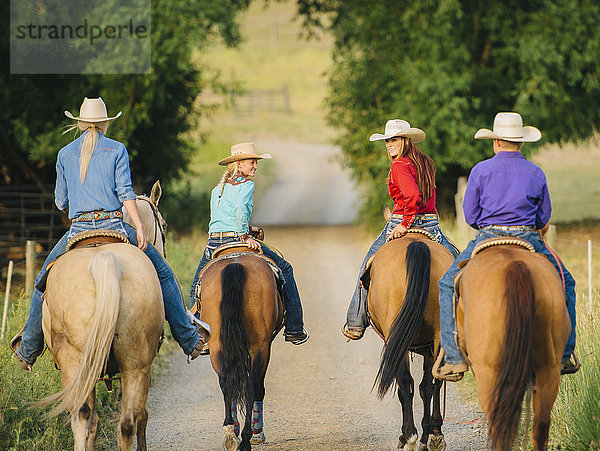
x=507, y=189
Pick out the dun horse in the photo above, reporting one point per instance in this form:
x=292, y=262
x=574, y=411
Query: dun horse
x=513, y=324
x=405, y=313
x=110, y=316
x=241, y=302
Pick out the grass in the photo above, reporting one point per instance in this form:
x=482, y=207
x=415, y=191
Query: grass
x=576, y=413
x=24, y=427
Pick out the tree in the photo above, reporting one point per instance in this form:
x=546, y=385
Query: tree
x=158, y=107
x=448, y=67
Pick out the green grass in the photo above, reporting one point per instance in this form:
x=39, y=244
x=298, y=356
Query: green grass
x=576, y=413
x=572, y=173
x=24, y=427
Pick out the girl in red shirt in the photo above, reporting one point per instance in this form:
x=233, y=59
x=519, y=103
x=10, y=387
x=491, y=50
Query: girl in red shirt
x=411, y=185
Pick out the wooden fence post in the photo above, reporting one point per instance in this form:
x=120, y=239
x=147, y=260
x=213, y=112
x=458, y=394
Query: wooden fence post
x=29, y=266
x=550, y=237
x=6, y=298
x=461, y=224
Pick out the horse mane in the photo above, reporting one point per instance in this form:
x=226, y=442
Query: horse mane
x=516, y=365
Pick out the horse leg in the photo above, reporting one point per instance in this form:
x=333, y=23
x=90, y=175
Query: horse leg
x=259, y=371
x=546, y=389
x=84, y=424
x=230, y=425
x=408, y=439
x=429, y=388
x=134, y=416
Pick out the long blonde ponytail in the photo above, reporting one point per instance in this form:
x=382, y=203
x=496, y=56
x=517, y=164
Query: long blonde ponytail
x=90, y=141
x=229, y=172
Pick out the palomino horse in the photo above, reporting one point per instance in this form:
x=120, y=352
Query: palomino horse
x=513, y=324
x=242, y=305
x=104, y=311
x=405, y=312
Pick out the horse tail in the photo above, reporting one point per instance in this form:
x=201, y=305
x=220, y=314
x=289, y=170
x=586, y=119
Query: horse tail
x=106, y=271
x=516, y=365
x=234, y=359
x=408, y=321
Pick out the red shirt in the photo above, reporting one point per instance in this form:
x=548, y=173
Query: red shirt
x=405, y=193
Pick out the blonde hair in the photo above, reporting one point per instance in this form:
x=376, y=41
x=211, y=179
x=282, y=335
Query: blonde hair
x=90, y=141
x=229, y=172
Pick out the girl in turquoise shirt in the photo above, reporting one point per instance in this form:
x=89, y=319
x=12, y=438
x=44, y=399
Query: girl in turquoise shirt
x=230, y=209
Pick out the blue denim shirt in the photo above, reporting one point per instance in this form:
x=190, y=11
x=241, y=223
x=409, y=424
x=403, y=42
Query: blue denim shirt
x=108, y=181
x=231, y=213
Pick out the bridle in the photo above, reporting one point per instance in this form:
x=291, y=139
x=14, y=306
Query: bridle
x=157, y=224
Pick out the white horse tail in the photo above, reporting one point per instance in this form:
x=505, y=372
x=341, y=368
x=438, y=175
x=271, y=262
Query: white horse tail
x=106, y=271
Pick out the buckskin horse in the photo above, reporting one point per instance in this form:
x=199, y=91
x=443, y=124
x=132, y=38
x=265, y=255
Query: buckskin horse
x=242, y=305
x=108, y=319
x=513, y=325
x=404, y=312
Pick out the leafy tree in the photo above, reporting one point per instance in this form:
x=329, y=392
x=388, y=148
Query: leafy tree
x=158, y=107
x=448, y=67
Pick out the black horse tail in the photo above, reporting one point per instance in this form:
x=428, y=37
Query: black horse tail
x=516, y=365
x=234, y=360
x=408, y=321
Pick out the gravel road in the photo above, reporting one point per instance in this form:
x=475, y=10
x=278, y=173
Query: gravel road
x=318, y=395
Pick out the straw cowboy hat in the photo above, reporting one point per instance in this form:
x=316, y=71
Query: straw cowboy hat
x=398, y=127
x=509, y=127
x=92, y=110
x=243, y=151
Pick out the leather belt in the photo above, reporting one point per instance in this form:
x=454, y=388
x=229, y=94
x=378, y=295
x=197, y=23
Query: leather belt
x=423, y=217
x=222, y=234
x=508, y=228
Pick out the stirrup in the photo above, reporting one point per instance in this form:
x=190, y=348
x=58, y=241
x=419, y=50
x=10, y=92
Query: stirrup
x=569, y=367
x=352, y=333
x=435, y=370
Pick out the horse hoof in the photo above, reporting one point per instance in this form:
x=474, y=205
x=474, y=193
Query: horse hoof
x=257, y=438
x=437, y=443
x=231, y=440
x=408, y=445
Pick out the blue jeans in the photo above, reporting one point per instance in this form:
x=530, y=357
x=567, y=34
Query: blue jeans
x=183, y=331
x=291, y=297
x=446, y=285
x=356, y=316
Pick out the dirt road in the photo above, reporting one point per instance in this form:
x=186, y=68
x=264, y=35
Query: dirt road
x=318, y=395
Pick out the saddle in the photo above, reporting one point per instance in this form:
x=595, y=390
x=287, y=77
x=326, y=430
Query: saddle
x=485, y=244
x=233, y=251
x=89, y=238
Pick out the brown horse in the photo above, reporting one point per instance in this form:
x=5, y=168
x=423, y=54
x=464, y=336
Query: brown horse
x=93, y=321
x=242, y=305
x=405, y=312
x=513, y=324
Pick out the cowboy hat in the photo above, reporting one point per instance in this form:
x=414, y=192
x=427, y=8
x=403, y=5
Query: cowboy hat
x=92, y=110
x=509, y=127
x=398, y=127
x=243, y=151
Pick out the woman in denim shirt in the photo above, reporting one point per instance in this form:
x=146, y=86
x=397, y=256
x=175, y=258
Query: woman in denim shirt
x=411, y=185
x=93, y=181
x=230, y=209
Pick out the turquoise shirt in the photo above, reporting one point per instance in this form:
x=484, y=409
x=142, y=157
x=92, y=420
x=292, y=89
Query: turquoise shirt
x=232, y=214
x=107, y=183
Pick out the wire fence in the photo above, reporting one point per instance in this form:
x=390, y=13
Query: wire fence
x=28, y=213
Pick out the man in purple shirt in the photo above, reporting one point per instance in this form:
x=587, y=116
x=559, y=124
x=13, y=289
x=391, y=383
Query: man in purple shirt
x=506, y=195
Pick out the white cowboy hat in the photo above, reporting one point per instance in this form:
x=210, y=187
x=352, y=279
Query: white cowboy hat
x=92, y=110
x=398, y=127
x=243, y=151
x=509, y=127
